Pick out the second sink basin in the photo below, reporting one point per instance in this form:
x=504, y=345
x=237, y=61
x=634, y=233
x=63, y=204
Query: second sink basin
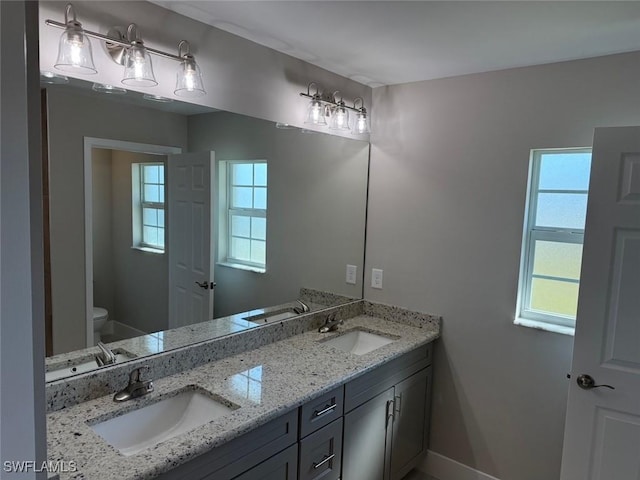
x=144, y=428
x=359, y=342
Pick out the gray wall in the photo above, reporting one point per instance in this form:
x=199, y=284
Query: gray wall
x=448, y=183
x=141, y=279
x=71, y=117
x=22, y=403
x=315, y=208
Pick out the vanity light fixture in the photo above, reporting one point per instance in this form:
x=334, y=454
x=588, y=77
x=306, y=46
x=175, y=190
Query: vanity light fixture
x=129, y=50
x=74, y=48
x=322, y=107
x=188, y=78
x=138, y=69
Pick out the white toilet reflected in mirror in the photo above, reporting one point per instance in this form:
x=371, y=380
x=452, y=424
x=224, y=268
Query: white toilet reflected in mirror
x=100, y=317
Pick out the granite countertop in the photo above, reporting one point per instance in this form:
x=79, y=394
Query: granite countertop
x=265, y=383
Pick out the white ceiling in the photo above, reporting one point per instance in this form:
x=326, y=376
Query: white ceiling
x=389, y=42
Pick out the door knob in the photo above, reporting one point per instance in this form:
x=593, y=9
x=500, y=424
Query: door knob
x=206, y=285
x=587, y=382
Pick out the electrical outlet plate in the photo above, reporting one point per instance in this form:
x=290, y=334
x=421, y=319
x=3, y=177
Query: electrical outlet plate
x=352, y=272
x=376, y=278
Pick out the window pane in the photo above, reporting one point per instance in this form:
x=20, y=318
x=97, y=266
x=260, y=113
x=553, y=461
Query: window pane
x=150, y=216
x=150, y=235
x=161, y=218
x=240, y=226
x=259, y=228
x=242, y=174
x=151, y=193
x=161, y=238
x=565, y=171
x=556, y=259
x=160, y=173
x=554, y=297
x=260, y=174
x=151, y=174
x=161, y=193
x=258, y=251
x=241, y=248
x=565, y=210
x=260, y=198
x=241, y=197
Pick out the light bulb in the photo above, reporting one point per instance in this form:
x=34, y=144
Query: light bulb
x=188, y=79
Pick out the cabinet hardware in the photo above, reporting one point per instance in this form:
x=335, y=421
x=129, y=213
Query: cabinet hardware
x=325, y=410
x=327, y=458
x=397, y=404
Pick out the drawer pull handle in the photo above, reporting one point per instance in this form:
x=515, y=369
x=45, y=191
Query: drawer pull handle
x=327, y=458
x=328, y=409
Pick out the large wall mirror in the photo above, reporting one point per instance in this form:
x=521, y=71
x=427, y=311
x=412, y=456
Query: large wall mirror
x=171, y=223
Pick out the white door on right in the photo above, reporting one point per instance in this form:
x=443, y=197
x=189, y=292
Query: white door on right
x=602, y=430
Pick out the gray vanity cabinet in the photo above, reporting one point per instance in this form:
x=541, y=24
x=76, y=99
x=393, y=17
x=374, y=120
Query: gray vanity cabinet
x=321, y=453
x=386, y=426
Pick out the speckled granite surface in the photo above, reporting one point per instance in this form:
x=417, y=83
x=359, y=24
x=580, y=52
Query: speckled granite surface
x=167, y=340
x=265, y=382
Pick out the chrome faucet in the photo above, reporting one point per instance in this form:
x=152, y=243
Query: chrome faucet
x=136, y=387
x=106, y=356
x=330, y=324
x=303, y=308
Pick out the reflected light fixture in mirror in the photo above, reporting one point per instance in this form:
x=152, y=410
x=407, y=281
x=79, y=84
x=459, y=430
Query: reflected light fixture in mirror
x=320, y=107
x=108, y=89
x=339, y=116
x=74, y=55
x=316, y=111
x=74, y=49
x=361, y=125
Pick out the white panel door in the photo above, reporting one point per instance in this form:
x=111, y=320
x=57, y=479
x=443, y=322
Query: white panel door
x=602, y=431
x=191, y=236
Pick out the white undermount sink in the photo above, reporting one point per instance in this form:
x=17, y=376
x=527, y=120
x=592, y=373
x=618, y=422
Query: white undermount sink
x=358, y=342
x=145, y=427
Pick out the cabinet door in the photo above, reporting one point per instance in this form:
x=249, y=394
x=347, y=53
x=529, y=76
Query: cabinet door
x=366, y=437
x=410, y=423
x=283, y=466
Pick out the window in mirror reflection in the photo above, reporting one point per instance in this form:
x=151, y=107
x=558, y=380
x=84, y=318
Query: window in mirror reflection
x=243, y=214
x=148, y=206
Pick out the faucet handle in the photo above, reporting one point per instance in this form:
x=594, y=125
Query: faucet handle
x=136, y=373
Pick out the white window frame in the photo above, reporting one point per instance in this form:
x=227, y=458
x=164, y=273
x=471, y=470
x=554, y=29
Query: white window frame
x=138, y=206
x=225, y=213
x=556, y=323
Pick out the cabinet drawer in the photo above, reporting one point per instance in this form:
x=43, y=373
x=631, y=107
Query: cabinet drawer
x=321, y=453
x=231, y=459
x=378, y=380
x=321, y=411
x=283, y=466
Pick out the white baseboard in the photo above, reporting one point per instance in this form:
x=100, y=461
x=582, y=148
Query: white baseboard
x=445, y=468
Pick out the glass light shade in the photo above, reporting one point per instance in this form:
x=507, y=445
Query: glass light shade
x=189, y=80
x=339, y=118
x=74, y=52
x=138, y=70
x=108, y=89
x=315, y=112
x=361, y=125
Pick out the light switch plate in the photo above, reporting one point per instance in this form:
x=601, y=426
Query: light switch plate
x=352, y=272
x=376, y=278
